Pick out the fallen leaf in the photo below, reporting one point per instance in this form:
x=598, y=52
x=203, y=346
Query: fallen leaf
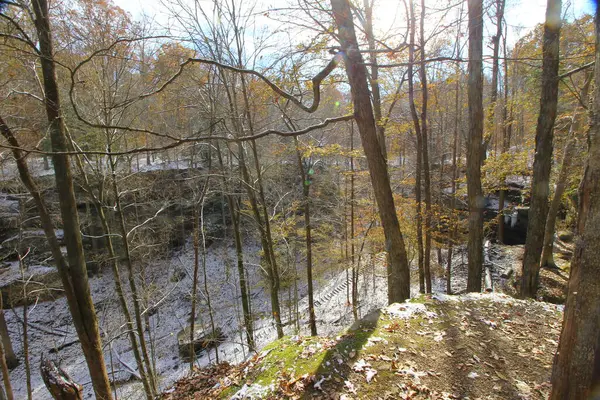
x=501, y=376
x=370, y=373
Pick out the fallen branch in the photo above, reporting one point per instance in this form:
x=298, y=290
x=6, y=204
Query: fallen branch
x=128, y=367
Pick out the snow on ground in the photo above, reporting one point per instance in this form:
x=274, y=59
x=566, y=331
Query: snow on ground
x=169, y=286
x=51, y=331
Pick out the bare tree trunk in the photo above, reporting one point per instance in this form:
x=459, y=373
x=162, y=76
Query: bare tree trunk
x=425, y=151
x=493, y=117
x=547, y=258
x=354, y=289
x=576, y=372
x=506, y=133
x=75, y=274
x=98, y=201
x=137, y=309
x=25, y=316
x=196, y=236
x=264, y=222
x=419, y=167
x=305, y=178
x=273, y=282
x=239, y=251
x=214, y=332
x=538, y=210
x=399, y=272
x=474, y=147
x=3, y=354
x=11, y=360
x=495, y=73
x=455, y=155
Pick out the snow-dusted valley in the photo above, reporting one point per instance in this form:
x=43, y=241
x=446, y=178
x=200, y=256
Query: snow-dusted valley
x=168, y=282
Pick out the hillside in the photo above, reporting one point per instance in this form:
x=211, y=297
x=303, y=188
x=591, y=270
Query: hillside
x=487, y=346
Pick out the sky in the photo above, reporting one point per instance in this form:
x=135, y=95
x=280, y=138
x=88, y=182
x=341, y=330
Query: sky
x=521, y=15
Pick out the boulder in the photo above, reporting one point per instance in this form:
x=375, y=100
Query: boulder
x=33, y=241
x=566, y=236
x=43, y=284
x=202, y=339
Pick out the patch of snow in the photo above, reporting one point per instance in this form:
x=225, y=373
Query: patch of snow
x=254, y=391
x=404, y=310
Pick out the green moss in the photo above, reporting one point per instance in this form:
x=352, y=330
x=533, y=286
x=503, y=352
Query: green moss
x=284, y=356
x=420, y=299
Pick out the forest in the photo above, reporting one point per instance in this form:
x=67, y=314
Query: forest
x=298, y=199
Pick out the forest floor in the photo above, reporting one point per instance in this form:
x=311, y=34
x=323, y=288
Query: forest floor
x=169, y=284
x=477, y=346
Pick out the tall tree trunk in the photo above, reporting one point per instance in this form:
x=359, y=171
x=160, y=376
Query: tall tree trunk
x=267, y=237
x=399, y=272
x=492, y=117
x=455, y=157
x=540, y=183
x=81, y=305
x=98, y=201
x=475, y=146
x=305, y=178
x=419, y=168
x=506, y=133
x=576, y=372
x=547, y=259
x=137, y=308
x=214, y=332
x=425, y=151
x=352, y=226
x=273, y=282
x=239, y=252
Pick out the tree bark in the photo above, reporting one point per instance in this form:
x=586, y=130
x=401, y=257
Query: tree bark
x=475, y=146
x=506, y=129
x=576, y=372
x=425, y=151
x=137, y=309
x=540, y=183
x=239, y=252
x=492, y=118
x=374, y=77
x=304, y=176
x=58, y=382
x=3, y=356
x=98, y=201
x=419, y=138
x=75, y=273
x=399, y=273
x=352, y=228
x=11, y=360
x=547, y=258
